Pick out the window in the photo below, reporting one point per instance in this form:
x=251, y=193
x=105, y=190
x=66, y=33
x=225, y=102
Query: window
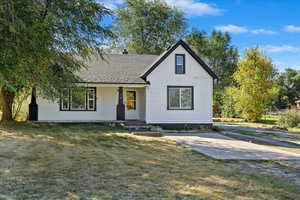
x=180, y=98
x=131, y=100
x=179, y=64
x=78, y=99
x=91, y=99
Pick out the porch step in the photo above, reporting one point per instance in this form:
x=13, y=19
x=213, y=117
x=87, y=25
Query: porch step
x=148, y=133
x=134, y=123
x=137, y=128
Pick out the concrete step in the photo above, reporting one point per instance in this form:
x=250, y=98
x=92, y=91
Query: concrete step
x=148, y=133
x=134, y=123
x=137, y=128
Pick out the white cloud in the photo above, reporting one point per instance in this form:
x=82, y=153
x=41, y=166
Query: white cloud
x=111, y=4
x=195, y=7
x=262, y=32
x=281, y=49
x=292, y=28
x=232, y=29
x=240, y=29
x=189, y=7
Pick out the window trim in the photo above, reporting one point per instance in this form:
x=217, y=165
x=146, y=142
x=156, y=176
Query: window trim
x=61, y=99
x=135, y=100
x=183, y=55
x=168, y=97
x=86, y=100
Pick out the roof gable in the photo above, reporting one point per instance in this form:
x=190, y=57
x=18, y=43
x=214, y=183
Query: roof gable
x=169, y=51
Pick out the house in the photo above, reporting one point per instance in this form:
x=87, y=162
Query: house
x=173, y=89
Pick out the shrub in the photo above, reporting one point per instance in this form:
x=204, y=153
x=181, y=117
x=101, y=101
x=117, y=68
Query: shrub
x=228, y=108
x=217, y=103
x=289, y=118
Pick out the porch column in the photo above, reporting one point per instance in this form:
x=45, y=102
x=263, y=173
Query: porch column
x=120, y=106
x=33, y=107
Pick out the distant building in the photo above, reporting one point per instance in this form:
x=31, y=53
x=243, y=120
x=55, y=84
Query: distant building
x=297, y=105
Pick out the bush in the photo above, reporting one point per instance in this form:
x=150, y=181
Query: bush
x=228, y=108
x=217, y=103
x=289, y=118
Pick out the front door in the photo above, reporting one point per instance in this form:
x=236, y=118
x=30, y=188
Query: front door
x=131, y=104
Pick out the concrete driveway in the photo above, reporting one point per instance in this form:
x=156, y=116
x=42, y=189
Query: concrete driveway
x=221, y=147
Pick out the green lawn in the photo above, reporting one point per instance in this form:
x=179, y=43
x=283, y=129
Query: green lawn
x=94, y=161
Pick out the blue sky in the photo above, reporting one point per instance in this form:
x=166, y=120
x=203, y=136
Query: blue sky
x=274, y=25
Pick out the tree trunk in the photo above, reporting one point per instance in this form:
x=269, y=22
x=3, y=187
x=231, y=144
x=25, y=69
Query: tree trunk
x=7, y=99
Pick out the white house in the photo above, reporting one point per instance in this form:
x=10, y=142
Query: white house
x=173, y=89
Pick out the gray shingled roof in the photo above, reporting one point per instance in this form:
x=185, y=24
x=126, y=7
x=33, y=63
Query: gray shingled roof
x=117, y=68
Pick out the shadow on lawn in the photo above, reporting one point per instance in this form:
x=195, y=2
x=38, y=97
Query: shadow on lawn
x=105, y=162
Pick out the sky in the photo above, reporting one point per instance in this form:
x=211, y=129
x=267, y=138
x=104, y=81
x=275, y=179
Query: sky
x=273, y=25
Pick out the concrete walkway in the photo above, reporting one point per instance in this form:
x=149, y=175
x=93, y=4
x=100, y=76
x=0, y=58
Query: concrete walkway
x=221, y=147
x=258, y=131
x=262, y=139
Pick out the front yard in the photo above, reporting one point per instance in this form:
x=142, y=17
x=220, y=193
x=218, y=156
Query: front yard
x=94, y=161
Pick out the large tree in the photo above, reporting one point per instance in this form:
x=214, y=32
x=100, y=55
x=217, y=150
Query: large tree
x=148, y=27
x=43, y=43
x=289, y=88
x=256, y=87
x=218, y=52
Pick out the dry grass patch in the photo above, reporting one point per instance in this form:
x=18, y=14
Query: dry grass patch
x=94, y=161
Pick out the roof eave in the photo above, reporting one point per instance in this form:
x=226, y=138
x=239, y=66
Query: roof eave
x=189, y=50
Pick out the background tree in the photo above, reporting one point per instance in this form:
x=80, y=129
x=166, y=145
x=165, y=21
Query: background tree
x=218, y=53
x=289, y=88
x=228, y=103
x=221, y=56
x=256, y=88
x=148, y=27
x=44, y=43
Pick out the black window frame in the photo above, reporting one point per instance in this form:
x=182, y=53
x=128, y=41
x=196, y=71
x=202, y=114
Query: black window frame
x=86, y=100
x=177, y=65
x=168, y=97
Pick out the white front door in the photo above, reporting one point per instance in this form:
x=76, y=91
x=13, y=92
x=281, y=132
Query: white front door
x=131, y=104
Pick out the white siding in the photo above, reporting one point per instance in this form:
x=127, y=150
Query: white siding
x=142, y=103
x=163, y=76
x=107, y=100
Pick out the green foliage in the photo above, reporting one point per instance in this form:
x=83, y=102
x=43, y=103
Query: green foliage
x=256, y=86
x=148, y=27
x=19, y=100
x=222, y=57
x=217, y=102
x=289, y=88
x=217, y=52
x=228, y=107
x=289, y=118
x=44, y=43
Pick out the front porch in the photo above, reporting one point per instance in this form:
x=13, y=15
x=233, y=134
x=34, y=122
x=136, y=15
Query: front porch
x=110, y=102
x=131, y=104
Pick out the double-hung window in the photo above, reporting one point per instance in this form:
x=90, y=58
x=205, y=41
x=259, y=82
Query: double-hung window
x=78, y=99
x=180, y=98
x=179, y=64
